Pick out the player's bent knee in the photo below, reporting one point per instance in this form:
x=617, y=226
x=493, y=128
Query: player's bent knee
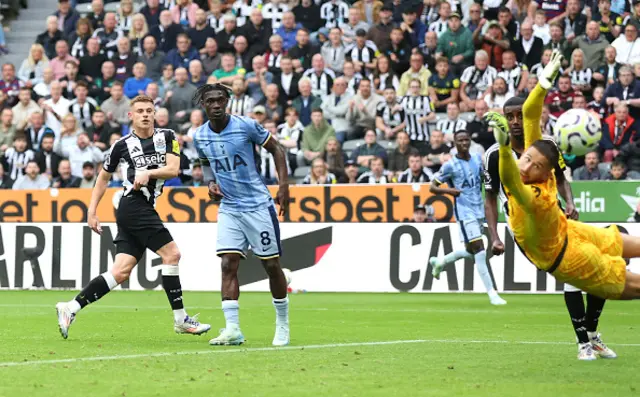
x=172, y=257
x=271, y=265
x=122, y=267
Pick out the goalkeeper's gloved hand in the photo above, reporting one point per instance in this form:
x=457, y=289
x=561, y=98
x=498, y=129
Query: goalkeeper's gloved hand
x=550, y=72
x=500, y=127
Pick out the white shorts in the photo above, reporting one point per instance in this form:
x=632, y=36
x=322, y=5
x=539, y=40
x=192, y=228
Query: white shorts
x=260, y=230
x=471, y=230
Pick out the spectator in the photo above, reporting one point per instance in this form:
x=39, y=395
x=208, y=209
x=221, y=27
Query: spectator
x=398, y=52
x=62, y=57
x=7, y=130
x=476, y=81
x=593, y=45
x=32, y=179
x=109, y=35
x=399, y=158
x=183, y=54
x=541, y=27
x=23, y=110
x=32, y=69
x=439, y=26
x=92, y=61
x=151, y=12
x=84, y=151
x=443, y=86
x=184, y=13
x=494, y=42
x=319, y=174
x=101, y=87
x=418, y=112
x=50, y=37
x=366, y=152
x=561, y=99
x=307, y=15
x=334, y=52
x=499, y=94
x=210, y=57
x=416, y=173
x=334, y=13
x=321, y=77
x=180, y=98
x=456, y=44
x=271, y=104
x=290, y=136
x=163, y=120
x=100, y=131
x=362, y=110
x=437, y=152
x=351, y=173
x=65, y=179
x=242, y=55
x=383, y=77
x=227, y=36
x=273, y=57
x=334, y=157
x=370, y=10
x=390, y=115
x=428, y=50
x=303, y=51
x=9, y=85
x=316, y=135
x=137, y=84
x=36, y=130
x=559, y=42
x=88, y=180
x=257, y=32
x=5, y=181
x=306, y=102
x=196, y=73
x=510, y=26
x=229, y=70
x=55, y=108
x=608, y=72
x=515, y=74
x=68, y=135
x=351, y=77
x=580, y=75
x=239, y=104
x=452, y=123
x=125, y=16
x=424, y=214
x=139, y=30
x=626, y=90
x=355, y=24
x=83, y=106
x=617, y=130
x=617, y=172
x=70, y=79
x=478, y=127
x=152, y=58
x=596, y=105
x=335, y=107
x=17, y=156
x=528, y=48
x=67, y=17
x=96, y=16
x=413, y=29
x=153, y=92
x=592, y=170
x=116, y=107
x=78, y=40
x=629, y=155
x=609, y=21
x=380, y=33
x=377, y=175
x=417, y=71
x=42, y=90
x=123, y=60
x=627, y=46
x=46, y=158
x=197, y=176
x=166, y=33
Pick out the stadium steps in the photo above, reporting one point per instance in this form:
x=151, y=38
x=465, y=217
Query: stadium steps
x=25, y=29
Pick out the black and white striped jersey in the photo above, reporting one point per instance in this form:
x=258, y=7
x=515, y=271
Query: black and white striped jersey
x=429, y=14
x=513, y=76
x=440, y=26
x=448, y=126
x=83, y=112
x=273, y=61
x=365, y=54
x=370, y=178
x=389, y=117
x=353, y=83
x=15, y=162
x=78, y=48
x=335, y=15
x=407, y=176
x=321, y=84
x=216, y=24
x=143, y=154
x=274, y=12
x=285, y=132
x=242, y=10
x=416, y=107
x=581, y=77
x=478, y=81
x=385, y=80
x=242, y=106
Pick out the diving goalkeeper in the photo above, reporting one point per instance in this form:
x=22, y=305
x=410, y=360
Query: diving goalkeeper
x=585, y=256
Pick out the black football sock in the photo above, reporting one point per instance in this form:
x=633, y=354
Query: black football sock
x=173, y=288
x=594, y=310
x=96, y=289
x=575, y=306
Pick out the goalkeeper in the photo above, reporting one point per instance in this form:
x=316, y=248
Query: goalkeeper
x=587, y=257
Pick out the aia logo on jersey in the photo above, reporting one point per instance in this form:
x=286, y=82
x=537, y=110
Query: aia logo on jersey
x=225, y=164
x=150, y=159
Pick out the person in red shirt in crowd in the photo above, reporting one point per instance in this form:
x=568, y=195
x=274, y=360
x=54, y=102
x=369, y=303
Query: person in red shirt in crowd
x=561, y=99
x=617, y=130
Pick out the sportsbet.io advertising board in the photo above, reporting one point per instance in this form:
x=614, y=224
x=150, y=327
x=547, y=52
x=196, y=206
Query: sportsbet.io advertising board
x=596, y=202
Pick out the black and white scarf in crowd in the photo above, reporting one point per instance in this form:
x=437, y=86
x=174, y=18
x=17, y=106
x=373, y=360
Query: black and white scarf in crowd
x=242, y=10
x=335, y=15
x=17, y=161
x=390, y=119
x=78, y=49
x=512, y=77
x=416, y=107
x=321, y=84
x=274, y=12
x=216, y=24
x=385, y=80
x=439, y=27
x=407, y=176
x=353, y=83
x=125, y=23
x=478, y=81
x=450, y=126
x=168, y=4
x=242, y=106
x=83, y=112
x=429, y=15
x=273, y=60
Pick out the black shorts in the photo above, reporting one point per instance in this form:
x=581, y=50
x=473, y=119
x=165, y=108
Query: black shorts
x=139, y=227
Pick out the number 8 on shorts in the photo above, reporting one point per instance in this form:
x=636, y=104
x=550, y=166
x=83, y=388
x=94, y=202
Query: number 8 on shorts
x=260, y=230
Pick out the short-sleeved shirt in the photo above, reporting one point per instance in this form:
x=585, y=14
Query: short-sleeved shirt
x=466, y=176
x=231, y=155
x=444, y=86
x=552, y=8
x=220, y=73
x=143, y=154
x=605, y=29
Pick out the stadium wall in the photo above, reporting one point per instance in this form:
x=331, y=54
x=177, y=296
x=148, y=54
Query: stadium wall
x=327, y=257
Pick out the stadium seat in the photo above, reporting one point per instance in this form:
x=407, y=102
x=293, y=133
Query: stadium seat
x=350, y=146
x=301, y=172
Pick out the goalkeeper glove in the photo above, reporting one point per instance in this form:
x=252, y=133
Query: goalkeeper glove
x=500, y=127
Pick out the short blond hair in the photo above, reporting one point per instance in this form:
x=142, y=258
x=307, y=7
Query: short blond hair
x=141, y=99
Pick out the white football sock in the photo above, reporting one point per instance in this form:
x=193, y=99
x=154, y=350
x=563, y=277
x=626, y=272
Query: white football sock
x=282, y=310
x=231, y=313
x=483, y=271
x=74, y=306
x=179, y=315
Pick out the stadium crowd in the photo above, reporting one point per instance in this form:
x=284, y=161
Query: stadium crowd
x=358, y=92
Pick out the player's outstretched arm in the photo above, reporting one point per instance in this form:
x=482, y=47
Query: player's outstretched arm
x=280, y=158
x=96, y=195
x=532, y=109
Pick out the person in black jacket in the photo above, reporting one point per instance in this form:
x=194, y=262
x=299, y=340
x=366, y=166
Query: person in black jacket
x=227, y=36
x=303, y=51
x=151, y=12
x=166, y=33
x=65, y=179
x=50, y=37
x=201, y=32
x=47, y=159
x=100, y=131
x=528, y=48
x=287, y=81
x=575, y=23
x=308, y=14
x=257, y=31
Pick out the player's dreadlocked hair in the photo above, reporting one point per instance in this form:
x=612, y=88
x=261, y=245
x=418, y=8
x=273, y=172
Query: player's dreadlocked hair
x=197, y=97
x=549, y=150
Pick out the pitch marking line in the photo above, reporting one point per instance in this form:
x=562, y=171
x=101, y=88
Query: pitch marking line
x=285, y=348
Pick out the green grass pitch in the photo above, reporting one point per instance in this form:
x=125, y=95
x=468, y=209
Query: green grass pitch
x=438, y=345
